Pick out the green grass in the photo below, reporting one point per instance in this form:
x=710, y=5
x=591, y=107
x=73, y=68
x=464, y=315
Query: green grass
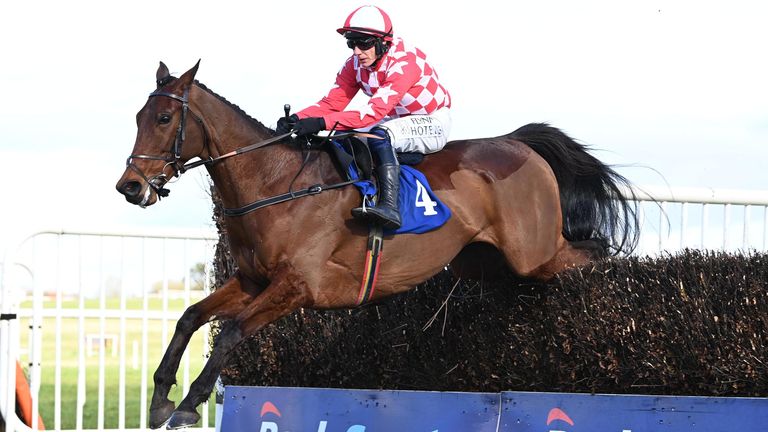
x=70, y=362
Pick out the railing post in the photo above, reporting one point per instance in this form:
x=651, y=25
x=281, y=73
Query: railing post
x=745, y=239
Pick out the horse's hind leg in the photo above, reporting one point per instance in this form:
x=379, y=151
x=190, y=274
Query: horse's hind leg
x=283, y=296
x=480, y=261
x=570, y=255
x=228, y=300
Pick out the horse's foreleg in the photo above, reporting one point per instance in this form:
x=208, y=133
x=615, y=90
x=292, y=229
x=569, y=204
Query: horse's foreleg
x=187, y=415
x=277, y=301
x=229, y=300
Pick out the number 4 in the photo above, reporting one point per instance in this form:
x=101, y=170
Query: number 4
x=423, y=200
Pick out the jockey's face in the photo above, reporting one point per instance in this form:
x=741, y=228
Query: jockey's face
x=366, y=57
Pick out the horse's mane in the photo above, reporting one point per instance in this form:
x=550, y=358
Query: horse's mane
x=231, y=105
x=169, y=79
x=271, y=172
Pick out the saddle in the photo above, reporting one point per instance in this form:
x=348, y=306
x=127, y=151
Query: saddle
x=351, y=154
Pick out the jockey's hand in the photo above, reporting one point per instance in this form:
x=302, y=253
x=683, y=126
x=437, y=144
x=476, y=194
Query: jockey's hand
x=309, y=125
x=284, y=125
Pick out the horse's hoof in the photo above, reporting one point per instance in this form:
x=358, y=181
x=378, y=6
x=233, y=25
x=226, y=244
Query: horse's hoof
x=160, y=413
x=181, y=419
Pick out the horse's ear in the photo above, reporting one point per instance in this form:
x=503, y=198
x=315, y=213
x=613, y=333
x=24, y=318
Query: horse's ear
x=162, y=72
x=189, y=75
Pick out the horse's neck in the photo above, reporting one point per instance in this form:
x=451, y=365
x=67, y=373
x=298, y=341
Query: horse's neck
x=243, y=178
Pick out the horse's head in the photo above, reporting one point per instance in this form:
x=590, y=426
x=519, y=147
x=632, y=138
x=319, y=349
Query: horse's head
x=165, y=140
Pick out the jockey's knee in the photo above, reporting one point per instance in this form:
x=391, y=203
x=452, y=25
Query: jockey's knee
x=381, y=147
x=382, y=140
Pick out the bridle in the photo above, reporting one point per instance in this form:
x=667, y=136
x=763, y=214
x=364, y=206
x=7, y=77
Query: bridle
x=173, y=160
x=157, y=182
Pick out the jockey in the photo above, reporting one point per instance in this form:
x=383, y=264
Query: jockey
x=408, y=110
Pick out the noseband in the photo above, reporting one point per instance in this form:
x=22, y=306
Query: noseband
x=157, y=182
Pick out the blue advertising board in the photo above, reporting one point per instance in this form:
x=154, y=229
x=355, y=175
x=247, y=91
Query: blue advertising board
x=281, y=409
x=569, y=412
x=276, y=409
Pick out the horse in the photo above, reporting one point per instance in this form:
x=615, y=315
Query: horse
x=532, y=203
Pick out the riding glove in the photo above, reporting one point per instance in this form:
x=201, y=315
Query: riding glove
x=309, y=125
x=285, y=124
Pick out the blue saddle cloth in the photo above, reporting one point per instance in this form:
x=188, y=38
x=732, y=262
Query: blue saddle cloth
x=420, y=209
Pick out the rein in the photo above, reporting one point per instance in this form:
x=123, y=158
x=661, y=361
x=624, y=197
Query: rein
x=288, y=196
x=157, y=182
x=241, y=150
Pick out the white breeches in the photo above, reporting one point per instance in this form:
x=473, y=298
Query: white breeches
x=419, y=133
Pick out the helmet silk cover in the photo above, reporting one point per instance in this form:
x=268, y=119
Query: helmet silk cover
x=368, y=20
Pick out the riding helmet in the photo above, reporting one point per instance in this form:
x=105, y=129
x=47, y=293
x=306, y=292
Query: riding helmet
x=369, y=20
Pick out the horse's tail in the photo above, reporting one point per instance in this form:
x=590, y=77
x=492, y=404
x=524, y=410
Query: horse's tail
x=593, y=203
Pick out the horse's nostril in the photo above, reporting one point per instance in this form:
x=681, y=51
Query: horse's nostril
x=130, y=188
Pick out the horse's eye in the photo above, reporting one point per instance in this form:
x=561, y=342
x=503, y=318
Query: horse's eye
x=164, y=119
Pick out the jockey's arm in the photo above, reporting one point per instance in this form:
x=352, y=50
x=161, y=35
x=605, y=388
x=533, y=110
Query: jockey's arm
x=397, y=83
x=342, y=92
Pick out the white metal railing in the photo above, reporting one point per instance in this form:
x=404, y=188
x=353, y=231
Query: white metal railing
x=75, y=268
x=701, y=218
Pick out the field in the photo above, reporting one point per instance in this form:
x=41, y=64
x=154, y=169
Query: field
x=135, y=371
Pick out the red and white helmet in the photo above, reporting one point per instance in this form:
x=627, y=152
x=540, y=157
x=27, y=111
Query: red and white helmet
x=369, y=20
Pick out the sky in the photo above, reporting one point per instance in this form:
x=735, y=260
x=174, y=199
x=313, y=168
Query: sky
x=674, y=93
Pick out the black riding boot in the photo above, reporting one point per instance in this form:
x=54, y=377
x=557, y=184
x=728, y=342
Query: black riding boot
x=386, y=212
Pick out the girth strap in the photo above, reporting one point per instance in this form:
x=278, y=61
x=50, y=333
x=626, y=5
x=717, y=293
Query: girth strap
x=288, y=196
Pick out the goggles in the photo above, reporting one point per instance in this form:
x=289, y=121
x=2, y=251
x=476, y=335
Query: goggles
x=363, y=44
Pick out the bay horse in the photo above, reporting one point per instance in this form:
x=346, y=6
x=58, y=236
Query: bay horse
x=533, y=202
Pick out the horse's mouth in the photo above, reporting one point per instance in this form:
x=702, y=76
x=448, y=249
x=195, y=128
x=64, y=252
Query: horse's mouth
x=141, y=194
